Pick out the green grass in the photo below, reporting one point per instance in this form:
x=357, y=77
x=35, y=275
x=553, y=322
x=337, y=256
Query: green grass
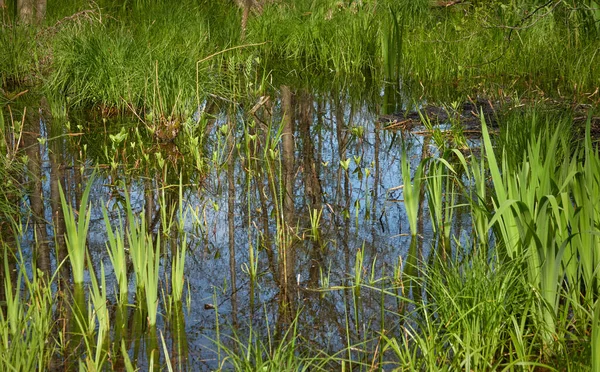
x=165, y=59
x=521, y=293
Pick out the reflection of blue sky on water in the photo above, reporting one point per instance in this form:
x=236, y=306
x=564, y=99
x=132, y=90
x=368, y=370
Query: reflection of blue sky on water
x=375, y=219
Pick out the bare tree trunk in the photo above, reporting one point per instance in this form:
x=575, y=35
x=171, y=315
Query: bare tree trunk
x=245, y=14
x=25, y=10
x=40, y=10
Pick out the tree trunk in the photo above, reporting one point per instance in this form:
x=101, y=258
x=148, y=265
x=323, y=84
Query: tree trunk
x=245, y=14
x=28, y=8
x=25, y=10
x=40, y=10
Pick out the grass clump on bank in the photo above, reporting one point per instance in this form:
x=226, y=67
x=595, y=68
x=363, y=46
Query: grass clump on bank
x=158, y=55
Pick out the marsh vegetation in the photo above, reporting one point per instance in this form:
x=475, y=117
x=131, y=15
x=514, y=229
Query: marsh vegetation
x=300, y=185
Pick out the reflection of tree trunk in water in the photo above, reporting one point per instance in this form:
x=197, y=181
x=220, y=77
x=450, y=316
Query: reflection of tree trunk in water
x=170, y=203
x=56, y=178
x=411, y=270
x=76, y=183
x=8, y=221
x=211, y=110
x=319, y=150
x=267, y=242
x=32, y=148
x=149, y=204
x=420, y=214
x=231, y=216
x=377, y=175
x=55, y=156
x=415, y=254
x=312, y=184
x=342, y=141
x=286, y=250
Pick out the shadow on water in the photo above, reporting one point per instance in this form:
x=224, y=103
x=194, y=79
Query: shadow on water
x=290, y=194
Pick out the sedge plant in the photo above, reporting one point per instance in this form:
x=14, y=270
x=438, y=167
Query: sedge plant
x=77, y=225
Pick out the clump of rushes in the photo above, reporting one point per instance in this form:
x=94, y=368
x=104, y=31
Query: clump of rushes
x=25, y=319
x=529, y=216
x=152, y=279
x=411, y=192
x=138, y=244
x=177, y=270
x=438, y=186
x=77, y=225
x=97, y=354
x=145, y=256
x=117, y=255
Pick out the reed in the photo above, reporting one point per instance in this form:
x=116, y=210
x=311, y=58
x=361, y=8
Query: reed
x=26, y=319
x=411, y=191
x=439, y=181
x=77, y=225
x=138, y=244
x=118, y=256
x=97, y=353
x=178, y=270
x=151, y=281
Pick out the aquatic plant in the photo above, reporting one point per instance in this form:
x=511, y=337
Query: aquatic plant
x=411, y=190
x=26, y=319
x=117, y=254
x=151, y=281
x=77, y=225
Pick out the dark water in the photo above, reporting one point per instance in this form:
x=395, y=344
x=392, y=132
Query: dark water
x=346, y=165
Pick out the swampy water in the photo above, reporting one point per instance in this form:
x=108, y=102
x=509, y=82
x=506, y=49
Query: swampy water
x=346, y=221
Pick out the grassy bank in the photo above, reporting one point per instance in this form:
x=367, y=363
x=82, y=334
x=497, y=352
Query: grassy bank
x=159, y=56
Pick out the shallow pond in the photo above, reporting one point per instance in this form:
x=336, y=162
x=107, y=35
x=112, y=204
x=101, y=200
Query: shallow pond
x=348, y=220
